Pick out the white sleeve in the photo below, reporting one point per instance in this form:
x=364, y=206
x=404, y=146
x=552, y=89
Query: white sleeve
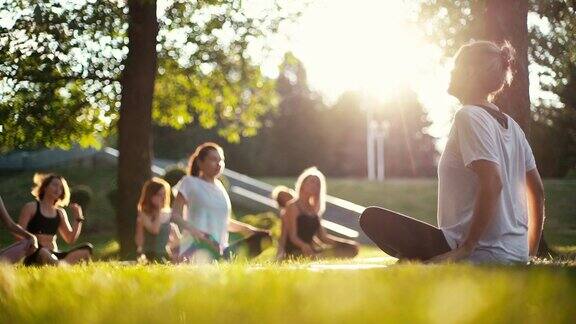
x=528, y=156
x=476, y=137
x=184, y=187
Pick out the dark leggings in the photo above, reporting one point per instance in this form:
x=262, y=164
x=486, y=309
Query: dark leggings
x=401, y=236
x=34, y=258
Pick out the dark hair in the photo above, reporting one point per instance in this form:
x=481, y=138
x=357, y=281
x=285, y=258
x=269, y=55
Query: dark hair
x=282, y=195
x=150, y=188
x=200, y=154
x=41, y=181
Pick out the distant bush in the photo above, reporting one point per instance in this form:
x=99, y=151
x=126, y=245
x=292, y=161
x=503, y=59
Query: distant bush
x=81, y=195
x=113, y=198
x=174, y=174
x=571, y=174
x=268, y=221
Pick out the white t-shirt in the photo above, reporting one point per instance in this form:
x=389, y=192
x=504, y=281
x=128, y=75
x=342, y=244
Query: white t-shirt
x=476, y=135
x=208, y=207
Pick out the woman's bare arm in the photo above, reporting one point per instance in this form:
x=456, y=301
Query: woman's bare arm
x=536, y=214
x=14, y=228
x=70, y=233
x=152, y=226
x=283, y=234
x=324, y=237
x=235, y=226
x=139, y=234
x=26, y=215
x=490, y=188
x=291, y=220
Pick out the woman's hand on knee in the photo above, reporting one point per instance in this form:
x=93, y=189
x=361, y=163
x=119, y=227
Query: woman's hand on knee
x=458, y=254
x=32, y=244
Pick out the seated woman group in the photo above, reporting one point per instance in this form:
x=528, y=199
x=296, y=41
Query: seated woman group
x=490, y=197
x=201, y=209
x=207, y=221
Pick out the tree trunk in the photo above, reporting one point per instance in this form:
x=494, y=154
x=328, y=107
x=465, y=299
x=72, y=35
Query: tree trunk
x=507, y=20
x=135, y=122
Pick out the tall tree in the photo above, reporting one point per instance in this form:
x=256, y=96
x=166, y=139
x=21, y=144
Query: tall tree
x=507, y=20
x=135, y=124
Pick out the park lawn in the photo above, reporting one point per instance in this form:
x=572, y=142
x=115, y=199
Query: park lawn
x=262, y=291
x=296, y=292
x=417, y=198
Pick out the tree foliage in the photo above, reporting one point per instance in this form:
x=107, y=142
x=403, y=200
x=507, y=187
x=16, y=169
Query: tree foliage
x=60, y=65
x=553, y=50
x=305, y=132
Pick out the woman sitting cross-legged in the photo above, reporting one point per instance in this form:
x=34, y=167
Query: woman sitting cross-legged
x=208, y=208
x=45, y=217
x=302, y=220
x=490, y=194
x=156, y=237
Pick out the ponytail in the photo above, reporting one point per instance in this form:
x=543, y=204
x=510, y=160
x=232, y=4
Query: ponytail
x=194, y=167
x=199, y=155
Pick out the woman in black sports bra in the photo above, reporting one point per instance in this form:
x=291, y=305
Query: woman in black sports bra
x=302, y=221
x=45, y=217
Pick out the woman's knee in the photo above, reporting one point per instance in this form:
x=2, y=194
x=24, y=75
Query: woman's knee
x=46, y=257
x=373, y=221
x=87, y=246
x=86, y=249
x=86, y=253
x=347, y=250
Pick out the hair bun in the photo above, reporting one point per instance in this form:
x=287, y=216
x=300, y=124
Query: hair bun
x=507, y=54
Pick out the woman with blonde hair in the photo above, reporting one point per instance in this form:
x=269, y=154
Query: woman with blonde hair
x=155, y=236
x=490, y=194
x=45, y=217
x=302, y=220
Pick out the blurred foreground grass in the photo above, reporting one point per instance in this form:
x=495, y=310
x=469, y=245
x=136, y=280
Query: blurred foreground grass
x=292, y=292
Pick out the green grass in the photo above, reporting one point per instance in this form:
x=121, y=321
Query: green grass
x=286, y=293
x=417, y=198
x=261, y=291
